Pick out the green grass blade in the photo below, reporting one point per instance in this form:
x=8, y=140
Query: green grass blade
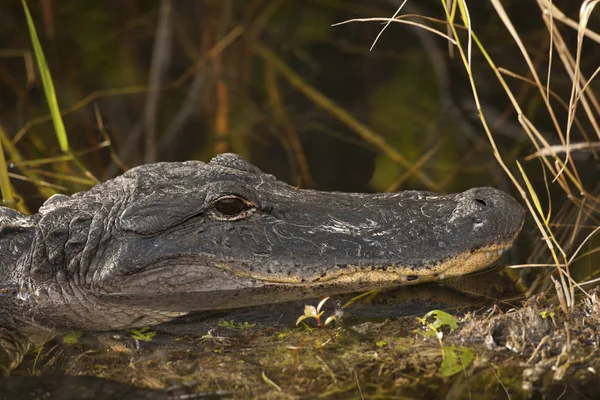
x=5, y=188
x=59, y=126
x=533, y=194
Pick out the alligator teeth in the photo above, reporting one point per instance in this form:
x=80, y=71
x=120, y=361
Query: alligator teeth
x=403, y=278
x=441, y=275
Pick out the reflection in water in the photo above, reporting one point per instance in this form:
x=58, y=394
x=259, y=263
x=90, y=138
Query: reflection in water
x=97, y=348
x=66, y=387
x=468, y=292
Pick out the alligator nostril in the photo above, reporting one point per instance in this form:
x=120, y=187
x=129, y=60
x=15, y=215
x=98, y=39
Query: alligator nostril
x=482, y=202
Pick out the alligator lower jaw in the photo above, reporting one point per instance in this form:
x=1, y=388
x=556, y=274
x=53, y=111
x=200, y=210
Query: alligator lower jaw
x=394, y=275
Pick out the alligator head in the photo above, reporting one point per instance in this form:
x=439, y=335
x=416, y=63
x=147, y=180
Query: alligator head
x=168, y=238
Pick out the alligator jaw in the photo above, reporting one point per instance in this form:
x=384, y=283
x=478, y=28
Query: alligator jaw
x=459, y=265
x=229, y=289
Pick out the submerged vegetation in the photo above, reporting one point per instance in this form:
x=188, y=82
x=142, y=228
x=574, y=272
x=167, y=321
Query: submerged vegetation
x=451, y=96
x=454, y=360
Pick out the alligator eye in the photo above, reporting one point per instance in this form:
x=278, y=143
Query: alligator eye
x=231, y=206
x=482, y=202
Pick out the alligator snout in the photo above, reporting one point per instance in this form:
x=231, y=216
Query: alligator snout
x=490, y=210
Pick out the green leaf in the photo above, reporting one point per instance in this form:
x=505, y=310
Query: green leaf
x=428, y=331
x=72, y=337
x=232, y=325
x=455, y=360
x=432, y=330
x=144, y=334
x=301, y=318
x=442, y=318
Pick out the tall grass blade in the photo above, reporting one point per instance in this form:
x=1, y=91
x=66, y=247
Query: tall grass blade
x=59, y=126
x=5, y=188
x=533, y=194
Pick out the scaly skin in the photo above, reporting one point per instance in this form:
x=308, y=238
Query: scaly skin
x=168, y=238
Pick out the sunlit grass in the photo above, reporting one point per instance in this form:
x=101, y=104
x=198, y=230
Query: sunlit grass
x=557, y=161
x=5, y=187
x=48, y=84
x=563, y=171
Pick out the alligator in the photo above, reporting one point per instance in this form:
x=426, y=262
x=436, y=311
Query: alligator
x=166, y=239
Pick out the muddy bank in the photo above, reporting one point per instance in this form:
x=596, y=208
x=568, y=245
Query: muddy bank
x=505, y=349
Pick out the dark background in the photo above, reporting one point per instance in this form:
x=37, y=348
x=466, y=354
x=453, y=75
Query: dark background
x=106, y=58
